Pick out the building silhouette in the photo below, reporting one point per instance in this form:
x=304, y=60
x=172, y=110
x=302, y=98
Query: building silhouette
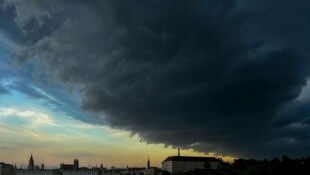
x=183, y=164
x=65, y=169
x=31, y=163
x=151, y=170
x=75, y=166
x=6, y=169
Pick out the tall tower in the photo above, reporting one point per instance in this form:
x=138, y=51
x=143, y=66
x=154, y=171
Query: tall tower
x=76, y=164
x=31, y=163
x=148, y=162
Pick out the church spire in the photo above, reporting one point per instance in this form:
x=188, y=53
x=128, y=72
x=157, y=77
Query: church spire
x=148, y=162
x=31, y=163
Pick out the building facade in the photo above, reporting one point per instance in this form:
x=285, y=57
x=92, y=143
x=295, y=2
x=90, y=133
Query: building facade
x=35, y=172
x=81, y=172
x=183, y=164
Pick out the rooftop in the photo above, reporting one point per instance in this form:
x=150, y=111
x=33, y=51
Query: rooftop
x=192, y=159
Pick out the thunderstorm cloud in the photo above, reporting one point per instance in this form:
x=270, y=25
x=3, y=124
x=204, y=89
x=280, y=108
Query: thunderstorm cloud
x=227, y=76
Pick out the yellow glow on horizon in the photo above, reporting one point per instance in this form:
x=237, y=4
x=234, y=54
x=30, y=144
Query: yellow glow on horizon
x=53, y=140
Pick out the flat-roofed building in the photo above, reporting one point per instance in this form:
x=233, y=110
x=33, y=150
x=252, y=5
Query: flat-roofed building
x=35, y=172
x=183, y=164
x=80, y=172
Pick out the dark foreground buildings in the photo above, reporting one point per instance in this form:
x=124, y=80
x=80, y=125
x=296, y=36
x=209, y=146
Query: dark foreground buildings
x=65, y=169
x=6, y=169
x=173, y=165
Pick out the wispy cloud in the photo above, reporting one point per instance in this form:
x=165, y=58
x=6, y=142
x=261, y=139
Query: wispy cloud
x=35, y=118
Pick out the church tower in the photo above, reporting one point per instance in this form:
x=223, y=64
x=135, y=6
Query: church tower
x=76, y=164
x=31, y=163
x=148, y=163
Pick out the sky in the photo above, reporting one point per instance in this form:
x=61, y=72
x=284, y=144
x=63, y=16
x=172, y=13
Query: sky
x=116, y=82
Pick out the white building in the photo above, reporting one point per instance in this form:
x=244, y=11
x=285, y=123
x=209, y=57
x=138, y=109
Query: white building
x=81, y=172
x=34, y=172
x=183, y=164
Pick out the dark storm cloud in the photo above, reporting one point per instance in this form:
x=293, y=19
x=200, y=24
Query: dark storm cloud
x=280, y=22
x=180, y=73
